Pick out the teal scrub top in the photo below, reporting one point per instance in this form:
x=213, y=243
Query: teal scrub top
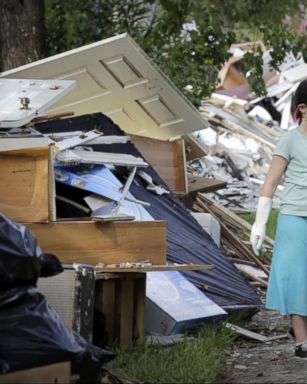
x=293, y=147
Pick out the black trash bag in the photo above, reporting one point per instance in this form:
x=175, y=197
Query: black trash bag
x=100, y=333
x=32, y=334
x=21, y=258
x=50, y=265
x=4, y=367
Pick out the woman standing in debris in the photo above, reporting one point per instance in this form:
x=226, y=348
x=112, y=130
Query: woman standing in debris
x=287, y=290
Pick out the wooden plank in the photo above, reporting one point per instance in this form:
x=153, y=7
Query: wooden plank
x=126, y=312
x=51, y=185
x=52, y=116
x=55, y=373
x=108, y=243
x=204, y=184
x=246, y=332
x=244, y=250
x=121, y=297
x=105, y=302
x=254, y=335
x=167, y=158
x=24, y=184
x=82, y=156
x=193, y=149
x=153, y=268
x=181, y=165
x=22, y=143
x=252, y=277
x=139, y=300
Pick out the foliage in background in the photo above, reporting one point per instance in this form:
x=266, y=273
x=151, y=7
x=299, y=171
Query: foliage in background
x=265, y=20
x=71, y=24
x=191, y=58
x=197, y=361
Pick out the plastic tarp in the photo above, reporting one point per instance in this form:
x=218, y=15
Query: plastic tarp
x=187, y=242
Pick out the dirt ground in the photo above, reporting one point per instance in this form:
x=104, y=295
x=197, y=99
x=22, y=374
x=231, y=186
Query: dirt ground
x=252, y=361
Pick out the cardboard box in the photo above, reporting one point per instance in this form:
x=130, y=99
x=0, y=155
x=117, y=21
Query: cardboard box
x=174, y=305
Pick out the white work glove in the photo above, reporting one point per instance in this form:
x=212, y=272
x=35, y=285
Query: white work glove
x=259, y=227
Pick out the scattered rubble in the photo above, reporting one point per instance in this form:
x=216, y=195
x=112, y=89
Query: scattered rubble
x=265, y=362
x=85, y=183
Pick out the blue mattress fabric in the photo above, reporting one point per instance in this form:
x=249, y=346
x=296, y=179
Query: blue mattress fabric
x=186, y=240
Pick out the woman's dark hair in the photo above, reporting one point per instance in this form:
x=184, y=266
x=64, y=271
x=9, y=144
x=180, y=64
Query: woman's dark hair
x=300, y=97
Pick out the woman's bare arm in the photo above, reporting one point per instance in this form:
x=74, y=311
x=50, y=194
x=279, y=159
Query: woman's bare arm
x=273, y=177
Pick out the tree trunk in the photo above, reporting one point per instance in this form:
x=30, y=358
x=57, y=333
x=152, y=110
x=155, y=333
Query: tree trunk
x=21, y=32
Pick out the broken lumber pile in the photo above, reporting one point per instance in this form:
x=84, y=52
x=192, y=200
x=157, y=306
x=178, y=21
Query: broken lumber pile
x=231, y=242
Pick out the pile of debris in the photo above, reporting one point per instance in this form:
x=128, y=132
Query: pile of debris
x=237, y=149
x=243, y=132
x=90, y=198
x=111, y=205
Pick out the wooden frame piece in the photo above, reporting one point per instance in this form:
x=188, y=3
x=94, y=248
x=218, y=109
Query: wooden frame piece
x=121, y=298
x=24, y=185
x=168, y=160
x=88, y=242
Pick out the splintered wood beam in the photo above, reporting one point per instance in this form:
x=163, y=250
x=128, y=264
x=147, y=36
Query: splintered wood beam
x=253, y=335
x=153, y=268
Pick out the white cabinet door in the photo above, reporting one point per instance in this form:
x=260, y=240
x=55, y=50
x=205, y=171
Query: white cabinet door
x=23, y=99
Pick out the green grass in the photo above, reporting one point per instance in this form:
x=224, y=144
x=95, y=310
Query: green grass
x=199, y=361
x=271, y=225
x=191, y=361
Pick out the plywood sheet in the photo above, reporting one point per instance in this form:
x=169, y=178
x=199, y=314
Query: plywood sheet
x=116, y=77
x=168, y=160
x=24, y=184
x=108, y=243
x=233, y=79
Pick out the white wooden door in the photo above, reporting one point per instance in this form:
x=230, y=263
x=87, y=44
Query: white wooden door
x=116, y=77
